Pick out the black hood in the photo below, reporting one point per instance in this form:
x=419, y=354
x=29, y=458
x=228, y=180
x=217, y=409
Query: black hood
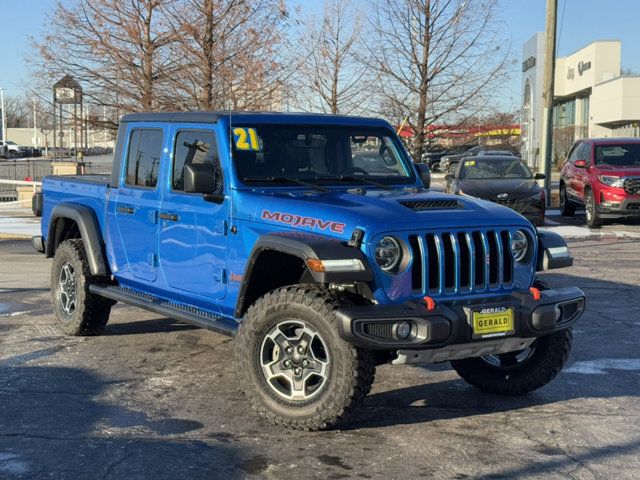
x=489, y=189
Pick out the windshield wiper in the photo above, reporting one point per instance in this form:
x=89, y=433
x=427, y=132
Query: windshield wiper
x=362, y=179
x=287, y=179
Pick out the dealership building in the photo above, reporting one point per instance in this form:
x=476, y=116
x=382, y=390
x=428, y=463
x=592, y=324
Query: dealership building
x=592, y=98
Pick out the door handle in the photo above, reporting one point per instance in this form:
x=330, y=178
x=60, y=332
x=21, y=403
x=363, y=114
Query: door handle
x=128, y=210
x=172, y=217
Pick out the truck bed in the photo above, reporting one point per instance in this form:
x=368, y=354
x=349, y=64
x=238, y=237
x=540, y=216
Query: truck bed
x=87, y=190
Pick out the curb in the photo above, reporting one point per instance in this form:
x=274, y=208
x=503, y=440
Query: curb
x=15, y=236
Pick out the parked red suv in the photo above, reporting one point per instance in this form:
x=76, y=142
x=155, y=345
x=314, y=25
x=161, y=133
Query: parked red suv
x=603, y=174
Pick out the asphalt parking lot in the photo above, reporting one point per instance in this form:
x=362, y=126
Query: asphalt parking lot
x=156, y=399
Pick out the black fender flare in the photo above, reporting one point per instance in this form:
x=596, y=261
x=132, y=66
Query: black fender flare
x=552, y=251
x=306, y=246
x=87, y=222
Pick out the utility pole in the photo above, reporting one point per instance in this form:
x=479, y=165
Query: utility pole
x=548, y=93
x=4, y=122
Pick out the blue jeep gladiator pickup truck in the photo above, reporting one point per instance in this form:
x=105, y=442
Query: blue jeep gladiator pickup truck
x=314, y=241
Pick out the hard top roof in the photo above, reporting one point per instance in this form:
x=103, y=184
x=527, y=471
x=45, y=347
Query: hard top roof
x=253, y=117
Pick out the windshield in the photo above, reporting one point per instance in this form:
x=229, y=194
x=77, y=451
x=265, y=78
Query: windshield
x=9, y=142
x=494, y=168
x=264, y=154
x=624, y=154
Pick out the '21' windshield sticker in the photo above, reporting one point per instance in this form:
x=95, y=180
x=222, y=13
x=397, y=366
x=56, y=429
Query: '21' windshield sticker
x=246, y=139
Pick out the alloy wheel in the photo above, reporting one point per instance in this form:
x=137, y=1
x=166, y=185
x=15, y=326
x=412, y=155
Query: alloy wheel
x=67, y=283
x=294, y=360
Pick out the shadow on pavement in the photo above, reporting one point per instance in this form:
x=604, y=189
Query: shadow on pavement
x=158, y=325
x=54, y=424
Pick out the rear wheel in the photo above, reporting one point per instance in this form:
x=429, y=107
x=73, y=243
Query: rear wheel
x=294, y=366
x=567, y=209
x=452, y=167
x=78, y=311
x=592, y=210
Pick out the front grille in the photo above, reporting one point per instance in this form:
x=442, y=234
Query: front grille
x=520, y=206
x=379, y=330
x=419, y=205
x=461, y=262
x=632, y=185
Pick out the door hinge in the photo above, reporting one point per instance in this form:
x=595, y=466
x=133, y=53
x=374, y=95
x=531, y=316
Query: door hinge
x=221, y=227
x=220, y=275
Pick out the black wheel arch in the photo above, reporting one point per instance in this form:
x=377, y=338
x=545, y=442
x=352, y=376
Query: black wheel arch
x=279, y=259
x=72, y=220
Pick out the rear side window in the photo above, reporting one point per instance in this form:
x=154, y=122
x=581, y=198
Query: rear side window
x=143, y=158
x=194, y=146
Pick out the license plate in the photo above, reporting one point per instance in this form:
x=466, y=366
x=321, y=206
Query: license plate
x=493, y=322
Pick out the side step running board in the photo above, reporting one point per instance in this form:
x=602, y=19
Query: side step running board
x=183, y=313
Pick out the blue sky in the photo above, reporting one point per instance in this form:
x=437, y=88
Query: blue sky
x=583, y=22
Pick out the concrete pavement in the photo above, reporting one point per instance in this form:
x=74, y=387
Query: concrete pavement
x=153, y=398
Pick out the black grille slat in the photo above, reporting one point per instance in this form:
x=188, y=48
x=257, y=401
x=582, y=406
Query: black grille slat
x=416, y=267
x=507, y=275
x=449, y=261
x=433, y=263
x=419, y=205
x=479, y=259
x=493, y=258
x=465, y=261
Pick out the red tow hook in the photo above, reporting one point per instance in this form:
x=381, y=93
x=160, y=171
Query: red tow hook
x=535, y=293
x=430, y=302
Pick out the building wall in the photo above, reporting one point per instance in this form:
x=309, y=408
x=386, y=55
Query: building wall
x=24, y=136
x=592, y=99
x=532, y=115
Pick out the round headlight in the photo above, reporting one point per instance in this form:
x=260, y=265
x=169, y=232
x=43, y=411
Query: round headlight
x=388, y=253
x=519, y=245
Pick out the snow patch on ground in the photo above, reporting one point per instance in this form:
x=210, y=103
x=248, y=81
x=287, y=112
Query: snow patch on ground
x=601, y=365
x=10, y=463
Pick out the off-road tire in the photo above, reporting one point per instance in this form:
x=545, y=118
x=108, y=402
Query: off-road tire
x=592, y=211
x=91, y=312
x=549, y=356
x=352, y=369
x=567, y=209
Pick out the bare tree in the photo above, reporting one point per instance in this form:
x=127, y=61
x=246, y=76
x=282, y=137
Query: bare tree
x=17, y=112
x=331, y=71
x=117, y=49
x=438, y=60
x=230, y=51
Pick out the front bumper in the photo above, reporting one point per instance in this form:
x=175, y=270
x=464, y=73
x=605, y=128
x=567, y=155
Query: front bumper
x=627, y=207
x=447, y=328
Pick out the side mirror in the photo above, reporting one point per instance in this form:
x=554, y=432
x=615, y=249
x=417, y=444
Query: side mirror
x=580, y=163
x=201, y=178
x=449, y=177
x=540, y=176
x=425, y=174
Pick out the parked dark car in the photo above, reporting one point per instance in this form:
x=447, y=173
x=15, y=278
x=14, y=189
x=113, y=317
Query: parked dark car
x=603, y=174
x=449, y=163
x=502, y=179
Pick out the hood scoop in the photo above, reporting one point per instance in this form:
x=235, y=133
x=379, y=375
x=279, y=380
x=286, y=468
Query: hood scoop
x=443, y=204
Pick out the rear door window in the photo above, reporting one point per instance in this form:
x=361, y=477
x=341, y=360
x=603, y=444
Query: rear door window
x=143, y=157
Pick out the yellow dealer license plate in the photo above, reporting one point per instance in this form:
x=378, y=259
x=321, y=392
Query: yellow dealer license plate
x=493, y=322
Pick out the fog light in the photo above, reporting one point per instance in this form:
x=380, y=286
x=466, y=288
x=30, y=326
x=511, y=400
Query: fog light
x=403, y=330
